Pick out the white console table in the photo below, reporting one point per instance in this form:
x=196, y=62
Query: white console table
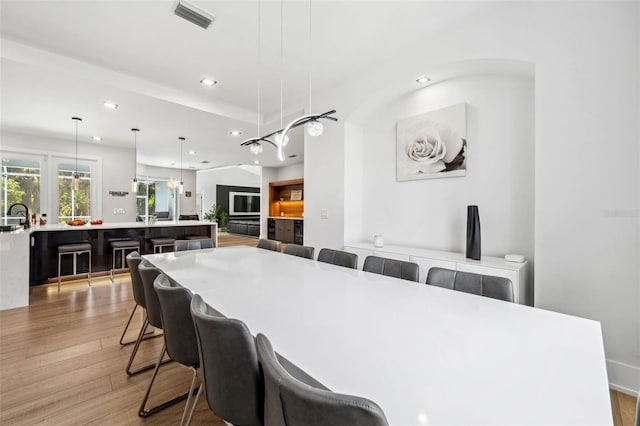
x=427, y=259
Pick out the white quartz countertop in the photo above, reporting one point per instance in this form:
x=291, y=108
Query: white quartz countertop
x=120, y=225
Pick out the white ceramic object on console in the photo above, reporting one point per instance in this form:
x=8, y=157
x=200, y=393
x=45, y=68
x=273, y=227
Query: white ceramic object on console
x=378, y=241
x=516, y=258
x=427, y=259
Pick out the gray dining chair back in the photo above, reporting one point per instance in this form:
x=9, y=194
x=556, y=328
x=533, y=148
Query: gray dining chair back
x=148, y=273
x=184, y=245
x=177, y=324
x=300, y=251
x=289, y=401
x=483, y=285
x=230, y=365
x=337, y=257
x=133, y=262
x=179, y=332
x=270, y=245
x=391, y=268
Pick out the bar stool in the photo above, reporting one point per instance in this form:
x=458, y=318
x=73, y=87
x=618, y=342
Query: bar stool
x=121, y=246
x=196, y=237
x=75, y=250
x=159, y=243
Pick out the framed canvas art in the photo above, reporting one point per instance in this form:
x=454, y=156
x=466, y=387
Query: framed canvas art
x=432, y=144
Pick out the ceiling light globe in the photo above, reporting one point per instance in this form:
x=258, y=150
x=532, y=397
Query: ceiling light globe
x=314, y=128
x=279, y=140
x=256, y=148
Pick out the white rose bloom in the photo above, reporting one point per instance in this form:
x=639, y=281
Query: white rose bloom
x=438, y=145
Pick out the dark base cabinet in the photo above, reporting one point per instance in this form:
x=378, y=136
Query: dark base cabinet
x=286, y=230
x=43, y=262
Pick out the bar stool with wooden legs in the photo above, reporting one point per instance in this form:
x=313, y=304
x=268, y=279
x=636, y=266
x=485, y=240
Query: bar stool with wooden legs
x=75, y=250
x=121, y=246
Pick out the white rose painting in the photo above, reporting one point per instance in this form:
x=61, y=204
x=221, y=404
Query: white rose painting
x=433, y=144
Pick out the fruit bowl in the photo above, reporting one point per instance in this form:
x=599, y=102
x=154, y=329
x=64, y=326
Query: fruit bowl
x=76, y=222
x=96, y=222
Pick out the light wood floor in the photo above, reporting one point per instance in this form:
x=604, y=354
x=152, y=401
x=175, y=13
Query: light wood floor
x=61, y=364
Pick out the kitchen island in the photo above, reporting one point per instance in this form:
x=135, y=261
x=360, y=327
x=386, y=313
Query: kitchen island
x=44, y=242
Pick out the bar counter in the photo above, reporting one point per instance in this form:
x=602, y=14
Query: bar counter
x=44, y=242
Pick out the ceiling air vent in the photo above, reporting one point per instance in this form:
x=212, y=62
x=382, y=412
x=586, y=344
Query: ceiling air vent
x=193, y=14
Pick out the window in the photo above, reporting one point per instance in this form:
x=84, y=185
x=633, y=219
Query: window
x=20, y=184
x=146, y=199
x=74, y=203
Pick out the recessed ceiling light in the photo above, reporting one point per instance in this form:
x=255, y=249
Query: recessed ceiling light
x=293, y=156
x=256, y=162
x=173, y=164
x=235, y=133
x=110, y=105
x=208, y=82
x=424, y=79
x=97, y=138
x=192, y=152
x=205, y=161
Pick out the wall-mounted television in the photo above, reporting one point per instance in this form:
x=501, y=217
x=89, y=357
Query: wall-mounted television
x=244, y=204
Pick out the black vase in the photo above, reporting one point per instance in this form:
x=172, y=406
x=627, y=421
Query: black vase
x=473, y=233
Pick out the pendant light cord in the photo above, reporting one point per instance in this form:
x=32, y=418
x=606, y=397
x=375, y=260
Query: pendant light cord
x=281, y=57
x=310, y=56
x=76, y=174
x=259, y=64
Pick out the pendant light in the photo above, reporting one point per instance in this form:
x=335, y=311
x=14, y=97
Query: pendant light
x=281, y=137
x=76, y=176
x=312, y=121
x=134, y=182
x=181, y=185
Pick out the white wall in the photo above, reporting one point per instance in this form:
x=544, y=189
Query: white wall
x=499, y=176
x=116, y=173
x=294, y=171
x=207, y=180
x=587, y=185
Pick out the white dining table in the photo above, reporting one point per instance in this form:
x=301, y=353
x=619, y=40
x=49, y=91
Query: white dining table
x=426, y=355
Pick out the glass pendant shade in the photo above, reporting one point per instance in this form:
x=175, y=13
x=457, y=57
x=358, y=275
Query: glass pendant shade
x=134, y=185
x=279, y=140
x=181, y=188
x=256, y=148
x=314, y=128
x=76, y=181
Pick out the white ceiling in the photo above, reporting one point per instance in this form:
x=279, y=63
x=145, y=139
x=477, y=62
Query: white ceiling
x=64, y=58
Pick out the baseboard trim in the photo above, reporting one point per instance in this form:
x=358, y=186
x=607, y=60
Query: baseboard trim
x=623, y=377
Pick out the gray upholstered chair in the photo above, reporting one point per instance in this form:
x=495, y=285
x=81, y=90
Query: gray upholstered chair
x=391, y=268
x=300, y=251
x=133, y=261
x=337, y=257
x=179, y=332
x=230, y=366
x=270, y=245
x=149, y=273
x=183, y=245
x=483, y=285
x=289, y=401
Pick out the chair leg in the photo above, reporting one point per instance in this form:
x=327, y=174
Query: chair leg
x=59, y=270
x=145, y=413
x=89, y=274
x=126, y=327
x=139, y=340
x=187, y=405
x=195, y=403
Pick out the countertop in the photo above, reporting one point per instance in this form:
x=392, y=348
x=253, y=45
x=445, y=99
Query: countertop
x=119, y=225
x=286, y=217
